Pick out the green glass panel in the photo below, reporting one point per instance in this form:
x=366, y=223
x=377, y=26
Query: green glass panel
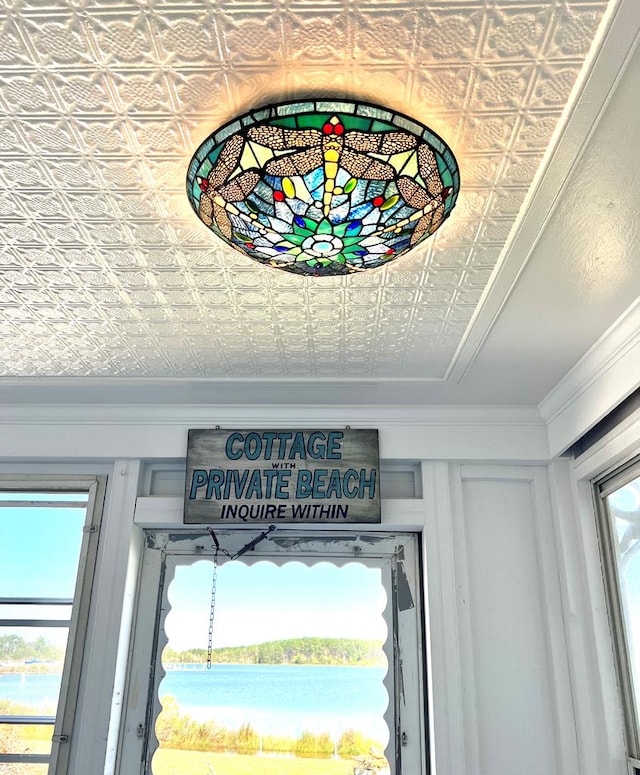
x=354, y=122
x=447, y=180
x=289, y=122
x=382, y=126
x=314, y=121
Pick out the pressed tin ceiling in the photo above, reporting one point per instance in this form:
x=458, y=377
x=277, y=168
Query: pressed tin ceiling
x=106, y=271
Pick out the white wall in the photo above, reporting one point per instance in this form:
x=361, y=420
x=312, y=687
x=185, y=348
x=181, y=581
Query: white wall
x=513, y=638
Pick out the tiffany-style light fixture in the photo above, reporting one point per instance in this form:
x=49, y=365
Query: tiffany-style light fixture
x=323, y=187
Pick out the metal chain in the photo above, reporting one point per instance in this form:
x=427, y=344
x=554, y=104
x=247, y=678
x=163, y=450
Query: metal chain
x=212, y=610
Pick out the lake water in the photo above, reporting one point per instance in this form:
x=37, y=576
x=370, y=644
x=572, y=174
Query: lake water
x=275, y=699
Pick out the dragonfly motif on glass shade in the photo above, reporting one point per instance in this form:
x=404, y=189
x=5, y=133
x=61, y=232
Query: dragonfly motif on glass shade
x=219, y=194
x=429, y=202
x=331, y=148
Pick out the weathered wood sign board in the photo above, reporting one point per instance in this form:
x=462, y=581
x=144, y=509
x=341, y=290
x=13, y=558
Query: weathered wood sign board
x=301, y=476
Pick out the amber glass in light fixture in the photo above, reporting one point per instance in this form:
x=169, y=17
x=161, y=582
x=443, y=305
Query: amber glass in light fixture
x=323, y=187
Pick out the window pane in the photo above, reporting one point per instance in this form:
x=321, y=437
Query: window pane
x=23, y=611
x=25, y=738
x=624, y=513
x=39, y=550
x=31, y=670
x=24, y=769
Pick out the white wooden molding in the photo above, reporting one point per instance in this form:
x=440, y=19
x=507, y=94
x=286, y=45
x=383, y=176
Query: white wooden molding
x=596, y=706
x=589, y=98
x=602, y=378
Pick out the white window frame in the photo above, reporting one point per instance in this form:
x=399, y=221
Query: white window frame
x=63, y=722
x=603, y=487
x=394, y=552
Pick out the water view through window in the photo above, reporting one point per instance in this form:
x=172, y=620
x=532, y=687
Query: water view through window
x=296, y=678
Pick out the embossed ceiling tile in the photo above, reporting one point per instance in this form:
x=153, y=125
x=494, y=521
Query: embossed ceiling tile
x=12, y=207
x=476, y=278
x=26, y=94
x=471, y=296
x=485, y=255
x=11, y=140
x=443, y=278
x=166, y=173
x=254, y=297
x=194, y=236
x=99, y=136
x=15, y=233
x=575, y=28
x=362, y=296
x=327, y=315
x=440, y=89
x=508, y=201
x=85, y=92
x=515, y=32
x=553, y=85
x=143, y=92
x=387, y=86
x=445, y=36
x=187, y=35
x=458, y=232
x=288, y=298
x=472, y=201
x=488, y=133
x=13, y=50
x=479, y=170
x=449, y=256
x=212, y=298
x=111, y=174
x=434, y=296
x=252, y=37
x=123, y=204
x=404, y=279
x=535, y=132
x=395, y=313
x=381, y=36
x=495, y=230
x=61, y=41
x=123, y=39
x=157, y=234
x=159, y=137
x=520, y=170
x=399, y=296
x=502, y=88
x=197, y=92
x=252, y=86
x=321, y=37
x=359, y=314
x=45, y=136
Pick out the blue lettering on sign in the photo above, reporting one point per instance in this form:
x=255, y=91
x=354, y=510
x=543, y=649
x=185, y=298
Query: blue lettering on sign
x=285, y=445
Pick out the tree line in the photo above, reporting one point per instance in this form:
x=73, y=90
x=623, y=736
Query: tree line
x=13, y=648
x=291, y=651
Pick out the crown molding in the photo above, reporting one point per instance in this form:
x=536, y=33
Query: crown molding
x=600, y=380
x=499, y=433
x=602, y=71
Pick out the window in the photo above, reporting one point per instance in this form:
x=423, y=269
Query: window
x=619, y=530
x=179, y=567
x=48, y=541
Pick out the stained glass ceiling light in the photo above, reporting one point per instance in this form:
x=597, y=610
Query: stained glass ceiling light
x=323, y=187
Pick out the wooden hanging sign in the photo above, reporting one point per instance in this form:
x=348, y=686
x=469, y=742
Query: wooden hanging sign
x=298, y=476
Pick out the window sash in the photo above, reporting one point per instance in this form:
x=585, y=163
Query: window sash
x=94, y=488
x=613, y=592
